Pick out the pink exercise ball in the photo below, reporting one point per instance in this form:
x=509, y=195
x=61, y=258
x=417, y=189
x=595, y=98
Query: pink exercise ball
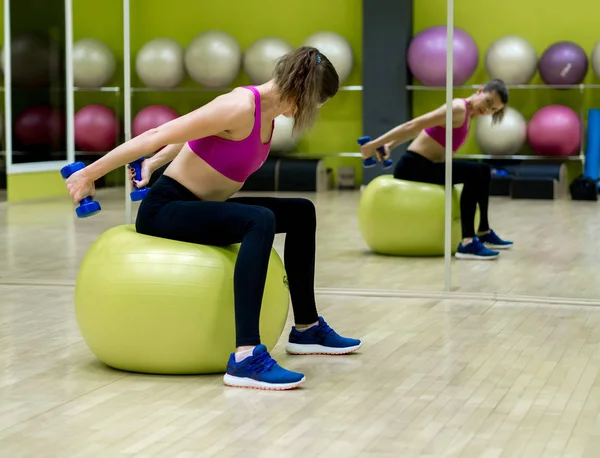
x=152, y=117
x=41, y=126
x=427, y=56
x=96, y=128
x=555, y=130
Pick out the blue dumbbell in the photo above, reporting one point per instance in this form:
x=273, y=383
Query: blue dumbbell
x=370, y=162
x=88, y=206
x=138, y=193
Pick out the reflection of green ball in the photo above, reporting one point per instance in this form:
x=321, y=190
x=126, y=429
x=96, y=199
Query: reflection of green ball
x=406, y=218
x=148, y=304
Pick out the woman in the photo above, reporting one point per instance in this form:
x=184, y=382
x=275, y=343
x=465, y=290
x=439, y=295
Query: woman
x=424, y=162
x=213, y=151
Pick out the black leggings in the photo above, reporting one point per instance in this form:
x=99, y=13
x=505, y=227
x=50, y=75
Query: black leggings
x=476, y=177
x=171, y=211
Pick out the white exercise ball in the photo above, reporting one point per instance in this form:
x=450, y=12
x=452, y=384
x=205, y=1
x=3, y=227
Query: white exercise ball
x=284, y=140
x=94, y=63
x=213, y=58
x=503, y=138
x=160, y=63
x=336, y=49
x=511, y=58
x=261, y=56
x=595, y=59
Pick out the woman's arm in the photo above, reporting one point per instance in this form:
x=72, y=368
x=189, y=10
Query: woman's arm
x=165, y=155
x=394, y=144
x=412, y=128
x=228, y=111
x=153, y=163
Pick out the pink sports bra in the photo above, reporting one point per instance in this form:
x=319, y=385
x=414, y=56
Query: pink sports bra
x=236, y=160
x=459, y=134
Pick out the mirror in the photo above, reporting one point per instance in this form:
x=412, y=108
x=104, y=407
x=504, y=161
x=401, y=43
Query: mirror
x=3, y=167
x=378, y=238
x=535, y=154
x=38, y=81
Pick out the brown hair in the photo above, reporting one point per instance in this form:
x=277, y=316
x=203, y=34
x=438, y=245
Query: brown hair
x=305, y=78
x=498, y=86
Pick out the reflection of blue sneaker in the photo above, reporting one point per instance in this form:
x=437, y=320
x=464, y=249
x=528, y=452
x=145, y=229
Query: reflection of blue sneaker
x=320, y=340
x=491, y=240
x=260, y=371
x=475, y=250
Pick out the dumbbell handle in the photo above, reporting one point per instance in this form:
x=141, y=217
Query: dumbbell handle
x=138, y=193
x=371, y=161
x=87, y=206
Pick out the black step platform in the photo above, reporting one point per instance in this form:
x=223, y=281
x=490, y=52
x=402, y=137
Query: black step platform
x=290, y=174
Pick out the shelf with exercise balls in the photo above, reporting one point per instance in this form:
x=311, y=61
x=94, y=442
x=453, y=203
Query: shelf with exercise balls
x=97, y=127
x=552, y=117
x=98, y=113
x=213, y=56
x=559, y=118
x=214, y=60
x=97, y=62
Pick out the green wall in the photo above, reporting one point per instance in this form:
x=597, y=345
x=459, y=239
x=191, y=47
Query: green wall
x=36, y=185
x=339, y=122
x=541, y=24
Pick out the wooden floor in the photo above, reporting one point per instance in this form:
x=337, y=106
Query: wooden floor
x=435, y=378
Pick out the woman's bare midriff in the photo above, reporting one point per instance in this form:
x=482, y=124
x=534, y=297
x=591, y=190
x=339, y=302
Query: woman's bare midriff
x=428, y=147
x=200, y=178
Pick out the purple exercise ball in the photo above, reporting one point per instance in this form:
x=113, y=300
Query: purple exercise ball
x=555, y=130
x=564, y=62
x=96, y=128
x=427, y=56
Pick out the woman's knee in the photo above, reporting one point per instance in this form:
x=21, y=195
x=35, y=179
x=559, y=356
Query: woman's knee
x=305, y=207
x=262, y=219
x=145, y=220
x=475, y=174
x=305, y=211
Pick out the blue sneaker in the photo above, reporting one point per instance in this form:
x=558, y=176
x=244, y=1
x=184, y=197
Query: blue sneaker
x=320, y=340
x=260, y=371
x=491, y=240
x=475, y=250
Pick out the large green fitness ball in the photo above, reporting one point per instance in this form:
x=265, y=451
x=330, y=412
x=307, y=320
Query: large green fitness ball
x=406, y=218
x=153, y=305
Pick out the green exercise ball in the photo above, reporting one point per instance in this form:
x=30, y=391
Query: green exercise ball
x=153, y=305
x=406, y=218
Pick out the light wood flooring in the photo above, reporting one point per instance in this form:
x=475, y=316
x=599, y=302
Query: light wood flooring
x=435, y=378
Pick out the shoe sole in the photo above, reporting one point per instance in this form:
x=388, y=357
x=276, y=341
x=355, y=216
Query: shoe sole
x=297, y=349
x=245, y=382
x=498, y=247
x=475, y=257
